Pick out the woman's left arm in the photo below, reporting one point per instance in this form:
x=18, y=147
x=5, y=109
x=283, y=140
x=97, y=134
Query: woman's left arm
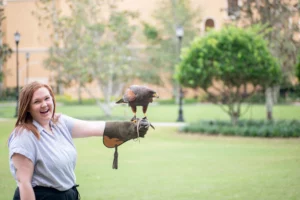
x=83, y=128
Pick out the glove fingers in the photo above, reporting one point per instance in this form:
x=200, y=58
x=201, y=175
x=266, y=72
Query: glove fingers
x=143, y=126
x=144, y=123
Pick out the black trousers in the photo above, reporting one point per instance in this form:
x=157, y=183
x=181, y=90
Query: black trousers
x=46, y=193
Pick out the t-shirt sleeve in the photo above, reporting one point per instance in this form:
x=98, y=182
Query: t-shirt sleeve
x=23, y=143
x=69, y=122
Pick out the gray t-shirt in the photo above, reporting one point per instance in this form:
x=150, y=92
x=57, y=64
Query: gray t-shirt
x=53, y=155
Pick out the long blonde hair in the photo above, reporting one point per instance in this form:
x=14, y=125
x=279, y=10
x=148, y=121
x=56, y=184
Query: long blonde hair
x=24, y=120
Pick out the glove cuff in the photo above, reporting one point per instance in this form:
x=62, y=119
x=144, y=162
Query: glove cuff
x=112, y=136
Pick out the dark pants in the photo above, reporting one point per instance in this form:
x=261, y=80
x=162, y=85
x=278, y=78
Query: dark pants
x=46, y=193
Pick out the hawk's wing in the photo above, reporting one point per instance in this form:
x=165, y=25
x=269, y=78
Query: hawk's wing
x=129, y=96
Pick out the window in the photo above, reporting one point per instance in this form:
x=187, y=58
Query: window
x=209, y=24
x=233, y=7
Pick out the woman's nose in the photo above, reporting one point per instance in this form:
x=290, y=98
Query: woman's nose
x=44, y=104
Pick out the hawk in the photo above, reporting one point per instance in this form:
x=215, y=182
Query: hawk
x=137, y=95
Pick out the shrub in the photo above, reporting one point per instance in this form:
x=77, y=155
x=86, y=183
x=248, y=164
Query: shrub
x=253, y=128
x=8, y=94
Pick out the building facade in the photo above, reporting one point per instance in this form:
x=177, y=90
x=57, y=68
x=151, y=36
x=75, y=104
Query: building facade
x=35, y=39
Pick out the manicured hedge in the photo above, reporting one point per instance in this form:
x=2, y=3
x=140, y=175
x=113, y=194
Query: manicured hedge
x=253, y=128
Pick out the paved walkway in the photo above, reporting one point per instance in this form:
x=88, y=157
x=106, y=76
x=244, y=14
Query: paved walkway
x=4, y=119
x=170, y=124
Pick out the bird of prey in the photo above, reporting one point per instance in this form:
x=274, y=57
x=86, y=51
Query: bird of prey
x=137, y=95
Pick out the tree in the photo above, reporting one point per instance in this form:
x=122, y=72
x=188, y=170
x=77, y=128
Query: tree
x=162, y=43
x=5, y=50
x=223, y=62
x=48, y=15
x=298, y=69
x=94, y=46
x=282, y=18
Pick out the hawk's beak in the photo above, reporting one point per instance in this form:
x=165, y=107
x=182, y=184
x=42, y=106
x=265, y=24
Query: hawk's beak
x=155, y=95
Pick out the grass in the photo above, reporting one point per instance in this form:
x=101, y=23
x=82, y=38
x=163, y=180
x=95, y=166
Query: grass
x=191, y=112
x=168, y=165
x=167, y=113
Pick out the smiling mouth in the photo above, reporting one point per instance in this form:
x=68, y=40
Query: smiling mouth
x=44, y=112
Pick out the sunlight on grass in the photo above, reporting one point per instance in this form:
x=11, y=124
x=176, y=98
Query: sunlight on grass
x=168, y=165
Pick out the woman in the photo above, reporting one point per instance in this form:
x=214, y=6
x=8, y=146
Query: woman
x=41, y=149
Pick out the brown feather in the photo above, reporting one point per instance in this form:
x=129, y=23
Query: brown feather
x=137, y=95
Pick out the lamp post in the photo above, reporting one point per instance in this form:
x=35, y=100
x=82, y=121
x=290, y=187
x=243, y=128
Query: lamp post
x=179, y=34
x=27, y=66
x=17, y=39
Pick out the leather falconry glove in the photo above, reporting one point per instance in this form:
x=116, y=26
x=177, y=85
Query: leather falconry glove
x=116, y=133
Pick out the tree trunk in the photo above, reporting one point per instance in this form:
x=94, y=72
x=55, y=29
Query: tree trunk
x=269, y=103
x=234, y=118
x=1, y=69
x=79, y=94
x=1, y=89
x=275, y=93
x=105, y=107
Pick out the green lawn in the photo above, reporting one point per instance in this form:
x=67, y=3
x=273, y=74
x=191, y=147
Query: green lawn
x=168, y=165
x=167, y=113
x=191, y=112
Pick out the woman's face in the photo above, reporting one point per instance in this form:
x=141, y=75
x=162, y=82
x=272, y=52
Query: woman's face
x=41, y=106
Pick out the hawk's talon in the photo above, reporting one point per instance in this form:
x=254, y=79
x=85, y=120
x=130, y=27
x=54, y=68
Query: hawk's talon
x=133, y=119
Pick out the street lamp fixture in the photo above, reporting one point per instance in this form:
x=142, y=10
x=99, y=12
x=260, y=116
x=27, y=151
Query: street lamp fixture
x=17, y=40
x=180, y=34
x=27, y=66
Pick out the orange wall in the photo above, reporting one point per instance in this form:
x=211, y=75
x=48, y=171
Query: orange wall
x=36, y=39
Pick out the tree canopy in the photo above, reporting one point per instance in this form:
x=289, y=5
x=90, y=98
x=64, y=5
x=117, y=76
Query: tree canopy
x=5, y=50
x=282, y=20
x=162, y=42
x=94, y=46
x=223, y=62
x=298, y=69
